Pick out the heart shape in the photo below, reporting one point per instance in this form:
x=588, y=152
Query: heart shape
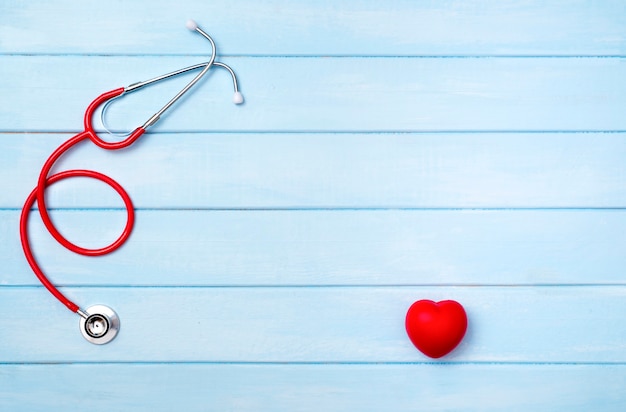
x=436, y=328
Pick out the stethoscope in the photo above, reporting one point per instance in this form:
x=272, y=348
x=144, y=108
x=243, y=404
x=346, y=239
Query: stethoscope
x=99, y=324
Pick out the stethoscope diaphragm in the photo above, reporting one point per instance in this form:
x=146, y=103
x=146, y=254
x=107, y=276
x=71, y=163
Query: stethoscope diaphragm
x=99, y=324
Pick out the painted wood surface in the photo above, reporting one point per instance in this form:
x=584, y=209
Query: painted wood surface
x=325, y=94
x=301, y=170
x=387, y=152
x=333, y=387
x=322, y=27
x=319, y=324
x=328, y=247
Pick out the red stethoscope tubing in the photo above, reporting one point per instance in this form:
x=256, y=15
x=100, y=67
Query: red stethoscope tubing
x=45, y=180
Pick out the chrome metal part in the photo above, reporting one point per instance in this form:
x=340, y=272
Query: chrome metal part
x=101, y=324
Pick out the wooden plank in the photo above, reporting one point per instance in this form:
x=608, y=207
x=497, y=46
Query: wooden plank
x=501, y=170
x=332, y=94
x=278, y=27
x=202, y=387
x=327, y=247
x=324, y=324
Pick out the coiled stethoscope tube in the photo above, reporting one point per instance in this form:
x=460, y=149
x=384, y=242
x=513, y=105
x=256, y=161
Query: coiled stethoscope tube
x=99, y=324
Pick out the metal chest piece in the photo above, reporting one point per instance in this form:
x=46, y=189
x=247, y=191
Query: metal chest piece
x=100, y=325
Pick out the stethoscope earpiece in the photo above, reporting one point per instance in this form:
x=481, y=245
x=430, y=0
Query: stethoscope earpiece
x=99, y=324
x=191, y=24
x=238, y=98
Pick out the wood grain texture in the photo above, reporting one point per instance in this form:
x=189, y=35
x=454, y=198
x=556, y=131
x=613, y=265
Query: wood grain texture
x=243, y=171
x=317, y=324
x=387, y=152
x=202, y=387
x=324, y=94
x=327, y=247
x=281, y=27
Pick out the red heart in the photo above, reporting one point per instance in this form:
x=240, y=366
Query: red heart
x=435, y=328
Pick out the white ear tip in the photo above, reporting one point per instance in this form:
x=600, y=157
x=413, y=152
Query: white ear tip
x=238, y=98
x=191, y=25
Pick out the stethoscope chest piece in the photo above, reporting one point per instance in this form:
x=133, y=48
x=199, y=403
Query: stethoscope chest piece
x=99, y=324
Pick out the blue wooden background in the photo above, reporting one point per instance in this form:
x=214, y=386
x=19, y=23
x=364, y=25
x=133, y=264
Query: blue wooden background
x=388, y=151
